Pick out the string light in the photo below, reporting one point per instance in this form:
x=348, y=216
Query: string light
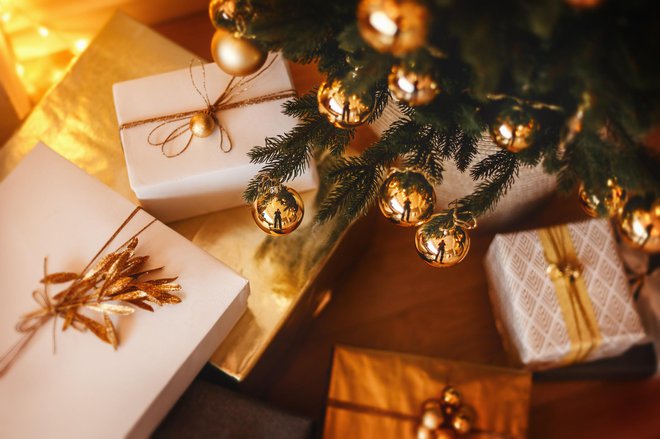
x=43, y=31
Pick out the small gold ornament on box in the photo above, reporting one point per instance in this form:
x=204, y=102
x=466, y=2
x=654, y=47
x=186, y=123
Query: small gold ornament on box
x=612, y=199
x=406, y=197
x=514, y=130
x=446, y=417
x=639, y=223
x=235, y=54
x=202, y=124
x=411, y=87
x=444, y=247
x=343, y=111
x=394, y=26
x=279, y=211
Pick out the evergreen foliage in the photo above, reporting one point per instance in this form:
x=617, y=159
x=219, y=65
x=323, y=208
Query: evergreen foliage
x=486, y=55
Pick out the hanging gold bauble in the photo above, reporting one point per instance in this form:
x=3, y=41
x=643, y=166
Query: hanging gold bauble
x=639, y=223
x=202, y=124
x=341, y=111
x=279, y=211
x=222, y=13
x=236, y=55
x=432, y=416
x=612, y=200
x=442, y=247
x=406, y=198
x=412, y=88
x=463, y=420
x=394, y=26
x=514, y=130
x=451, y=397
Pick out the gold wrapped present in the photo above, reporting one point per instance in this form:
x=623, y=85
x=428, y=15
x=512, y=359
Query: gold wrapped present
x=290, y=277
x=560, y=295
x=376, y=394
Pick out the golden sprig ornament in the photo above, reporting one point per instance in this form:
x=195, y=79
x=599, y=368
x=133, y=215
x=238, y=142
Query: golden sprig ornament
x=343, y=110
x=406, y=197
x=611, y=199
x=394, y=26
x=639, y=223
x=411, y=87
x=114, y=284
x=446, y=245
x=446, y=417
x=279, y=210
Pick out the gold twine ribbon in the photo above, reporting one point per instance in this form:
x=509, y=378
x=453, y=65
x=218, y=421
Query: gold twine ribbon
x=115, y=278
x=565, y=272
x=226, y=101
x=393, y=414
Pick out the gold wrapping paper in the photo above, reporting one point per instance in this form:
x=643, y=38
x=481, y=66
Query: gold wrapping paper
x=398, y=383
x=77, y=119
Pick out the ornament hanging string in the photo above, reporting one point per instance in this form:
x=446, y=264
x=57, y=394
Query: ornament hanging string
x=115, y=278
x=226, y=101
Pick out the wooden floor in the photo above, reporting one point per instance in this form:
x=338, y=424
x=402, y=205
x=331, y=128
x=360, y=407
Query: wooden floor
x=391, y=300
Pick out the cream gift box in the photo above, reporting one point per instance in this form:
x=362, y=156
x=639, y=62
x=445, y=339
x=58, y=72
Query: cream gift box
x=575, y=307
x=203, y=178
x=86, y=389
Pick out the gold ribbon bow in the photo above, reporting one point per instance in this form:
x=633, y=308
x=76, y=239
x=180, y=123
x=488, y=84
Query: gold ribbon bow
x=565, y=272
x=112, y=286
x=185, y=122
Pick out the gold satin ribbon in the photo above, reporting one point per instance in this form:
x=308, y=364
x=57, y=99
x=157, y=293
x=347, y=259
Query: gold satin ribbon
x=566, y=273
x=235, y=87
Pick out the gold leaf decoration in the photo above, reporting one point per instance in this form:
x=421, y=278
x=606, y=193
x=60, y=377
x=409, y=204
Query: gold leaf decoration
x=59, y=278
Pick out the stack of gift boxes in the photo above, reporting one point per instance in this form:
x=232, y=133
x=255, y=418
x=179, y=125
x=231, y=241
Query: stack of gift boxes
x=560, y=295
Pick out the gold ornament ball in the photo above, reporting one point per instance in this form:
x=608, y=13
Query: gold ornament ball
x=451, y=397
x=432, y=416
x=445, y=433
x=222, y=12
x=412, y=88
x=442, y=248
x=515, y=130
x=463, y=420
x=639, y=223
x=278, y=212
x=425, y=432
x=394, y=26
x=235, y=55
x=343, y=111
x=612, y=200
x=202, y=124
x=406, y=198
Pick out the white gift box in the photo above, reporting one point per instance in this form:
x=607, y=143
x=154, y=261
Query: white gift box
x=526, y=302
x=87, y=389
x=203, y=178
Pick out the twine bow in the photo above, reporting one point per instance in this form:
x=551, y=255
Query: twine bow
x=112, y=286
x=565, y=272
x=183, y=122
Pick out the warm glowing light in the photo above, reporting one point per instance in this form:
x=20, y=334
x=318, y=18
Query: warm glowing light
x=80, y=45
x=405, y=85
x=505, y=131
x=335, y=106
x=6, y=16
x=43, y=31
x=383, y=24
x=20, y=69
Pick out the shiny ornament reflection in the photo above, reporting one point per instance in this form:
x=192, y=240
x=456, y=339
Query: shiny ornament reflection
x=202, y=124
x=515, y=130
x=639, y=223
x=412, y=88
x=279, y=211
x=342, y=111
x=222, y=13
x=612, y=200
x=236, y=55
x=462, y=421
x=442, y=247
x=406, y=198
x=394, y=26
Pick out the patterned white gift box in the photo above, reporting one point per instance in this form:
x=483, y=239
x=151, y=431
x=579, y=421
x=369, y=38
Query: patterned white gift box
x=526, y=304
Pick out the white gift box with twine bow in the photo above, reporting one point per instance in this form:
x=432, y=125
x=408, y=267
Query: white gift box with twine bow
x=86, y=388
x=560, y=295
x=176, y=174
